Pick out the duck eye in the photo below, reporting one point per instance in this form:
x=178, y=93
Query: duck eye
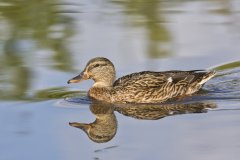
x=96, y=65
x=93, y=66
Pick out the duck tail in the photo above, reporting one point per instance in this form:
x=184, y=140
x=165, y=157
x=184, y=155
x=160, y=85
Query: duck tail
x=207, y=76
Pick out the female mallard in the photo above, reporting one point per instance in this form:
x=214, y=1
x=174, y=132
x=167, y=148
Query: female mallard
x=141, y=87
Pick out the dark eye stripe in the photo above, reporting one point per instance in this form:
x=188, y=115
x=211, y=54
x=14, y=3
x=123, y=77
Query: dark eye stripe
x=96, y=65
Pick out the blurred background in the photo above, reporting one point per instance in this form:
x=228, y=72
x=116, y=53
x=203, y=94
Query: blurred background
x=44, y=43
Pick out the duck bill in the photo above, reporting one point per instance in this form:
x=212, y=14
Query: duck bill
x=81, y=126
x=78, y=78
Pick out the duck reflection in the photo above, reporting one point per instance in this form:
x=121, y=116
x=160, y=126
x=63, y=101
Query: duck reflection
x=104, y=128
x=154, y=112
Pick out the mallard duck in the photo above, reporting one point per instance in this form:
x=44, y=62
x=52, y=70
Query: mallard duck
x=141, y=87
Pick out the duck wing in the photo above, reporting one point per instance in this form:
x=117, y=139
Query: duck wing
x=150, y=79
x=193, y=76
x=150, y=86
x=144, y=79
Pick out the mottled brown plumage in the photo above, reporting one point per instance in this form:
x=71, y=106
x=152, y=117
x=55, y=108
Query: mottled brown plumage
x=142, y=87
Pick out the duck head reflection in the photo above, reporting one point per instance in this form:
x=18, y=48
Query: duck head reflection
x=104, y=128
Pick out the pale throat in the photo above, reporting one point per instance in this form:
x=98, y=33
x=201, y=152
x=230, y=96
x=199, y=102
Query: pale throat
x=101, y=84
x=104, y=82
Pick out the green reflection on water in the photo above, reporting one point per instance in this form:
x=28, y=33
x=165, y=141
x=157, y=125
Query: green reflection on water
x=154, y=17
x=29, y=27
x=55, y=93
x=42, y=22
x=148, y=14
x=226, y=66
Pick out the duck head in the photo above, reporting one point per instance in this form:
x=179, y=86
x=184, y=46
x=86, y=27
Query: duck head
x=100, y=70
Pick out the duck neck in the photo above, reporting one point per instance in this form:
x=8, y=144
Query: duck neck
x=101, y=84
x=102, y=88
x=101, y=91
x=105, y=81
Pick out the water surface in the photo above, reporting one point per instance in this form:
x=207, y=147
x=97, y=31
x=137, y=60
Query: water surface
x=43, y=44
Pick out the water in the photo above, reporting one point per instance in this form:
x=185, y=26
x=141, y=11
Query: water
x=43, y=44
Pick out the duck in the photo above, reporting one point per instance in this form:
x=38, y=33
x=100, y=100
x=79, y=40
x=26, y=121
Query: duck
x=140, y=87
